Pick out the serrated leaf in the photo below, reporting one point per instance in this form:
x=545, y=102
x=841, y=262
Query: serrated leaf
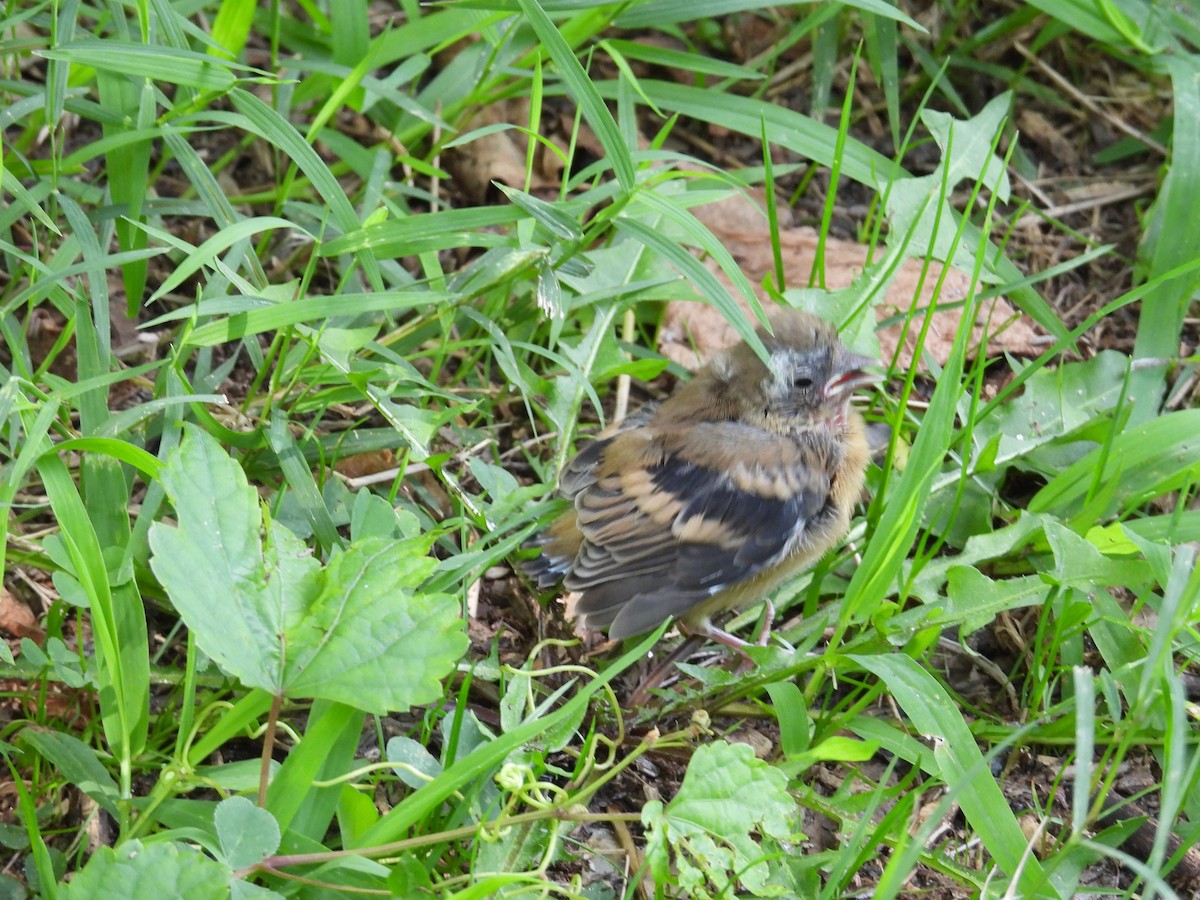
x=1077, y=563
x=1055, y=403
x=149, y=872
x=726, y=794
x=371, y=639
x=357, y=632
x=248, y=833
x=916, y=206
x=973, y=599
x=968, y=144
x=928, y=582
x=728, y=790
x=213, y=564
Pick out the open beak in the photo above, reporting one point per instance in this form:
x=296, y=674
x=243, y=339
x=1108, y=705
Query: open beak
x=852, y=374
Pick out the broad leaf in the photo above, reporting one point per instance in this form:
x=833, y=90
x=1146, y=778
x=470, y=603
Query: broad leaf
x=149, y=872
x=358, y=631
x=726, y=794
x=248, y=834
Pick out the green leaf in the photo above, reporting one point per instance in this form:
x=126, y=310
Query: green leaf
x=584, y=92
x=927, y=583
x=372, y=516
x=726, y=794
x=678, y=59
x=207, y=253
x=259, y=314
x=694, y=271
x=919, y=211
x=370, y=639
x=410, y=878
x=248, y=834
x=960, y=764
x=149, y=872
x=434, y=230
x=77, y=762
x=331, y=736
x=515, y=850
x=119, y=627
x=699, y=234
x=1055, y=403
x=1169, y=241
x=358, y=632
x=967, y=145
x=356, y=812
x=795, y=724
x=1142, y=463
x=414, y=764
x=239, y=775
x=973, y=599
x=887, y=552
x=147, y=61
x=833, y=749
x=1084, y=16
x=213, y=568
x=551, y=215
x=1077, y=563
x=231, y=27
x=666, y=12
x=267, y=123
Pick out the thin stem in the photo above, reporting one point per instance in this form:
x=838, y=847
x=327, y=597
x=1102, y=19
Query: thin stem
x=268, y=746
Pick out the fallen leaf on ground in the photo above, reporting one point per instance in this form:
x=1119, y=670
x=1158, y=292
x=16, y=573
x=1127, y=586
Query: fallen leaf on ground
x=693, y=331
x=17, y=619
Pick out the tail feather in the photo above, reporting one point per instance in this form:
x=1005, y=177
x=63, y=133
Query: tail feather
x=545, y=570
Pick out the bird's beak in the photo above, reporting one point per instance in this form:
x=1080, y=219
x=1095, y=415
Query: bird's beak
x=852, y=373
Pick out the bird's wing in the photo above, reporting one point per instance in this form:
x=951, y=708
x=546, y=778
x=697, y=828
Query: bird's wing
x=669, y=519
x=580, y=473
x=559, y=544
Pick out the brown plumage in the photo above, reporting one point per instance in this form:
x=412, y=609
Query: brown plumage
x=745, y=476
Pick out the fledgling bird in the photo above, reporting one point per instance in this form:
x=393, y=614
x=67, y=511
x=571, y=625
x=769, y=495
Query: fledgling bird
x=706, y=502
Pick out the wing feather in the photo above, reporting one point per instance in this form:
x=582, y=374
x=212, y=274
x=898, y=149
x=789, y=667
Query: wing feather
x=666, y=526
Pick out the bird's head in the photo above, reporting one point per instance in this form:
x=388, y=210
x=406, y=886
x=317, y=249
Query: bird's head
x=808, y=379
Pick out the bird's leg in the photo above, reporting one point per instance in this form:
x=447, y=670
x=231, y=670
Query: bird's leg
x=764, y=633
x=720, y=636
x=713, y=633
x=695, y=635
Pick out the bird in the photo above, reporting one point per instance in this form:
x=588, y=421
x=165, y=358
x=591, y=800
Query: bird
x=706, y=502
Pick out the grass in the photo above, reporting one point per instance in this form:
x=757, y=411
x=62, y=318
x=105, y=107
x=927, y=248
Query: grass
x=286, y=383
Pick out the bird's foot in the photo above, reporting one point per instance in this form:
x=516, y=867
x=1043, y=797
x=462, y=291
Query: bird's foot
x=764, y=633
x=713, y=633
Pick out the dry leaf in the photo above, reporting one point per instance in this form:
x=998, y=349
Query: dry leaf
x=359, y=465
x=1036, y=127
x=500, y=156
x=693, y=331
x=17, y=619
